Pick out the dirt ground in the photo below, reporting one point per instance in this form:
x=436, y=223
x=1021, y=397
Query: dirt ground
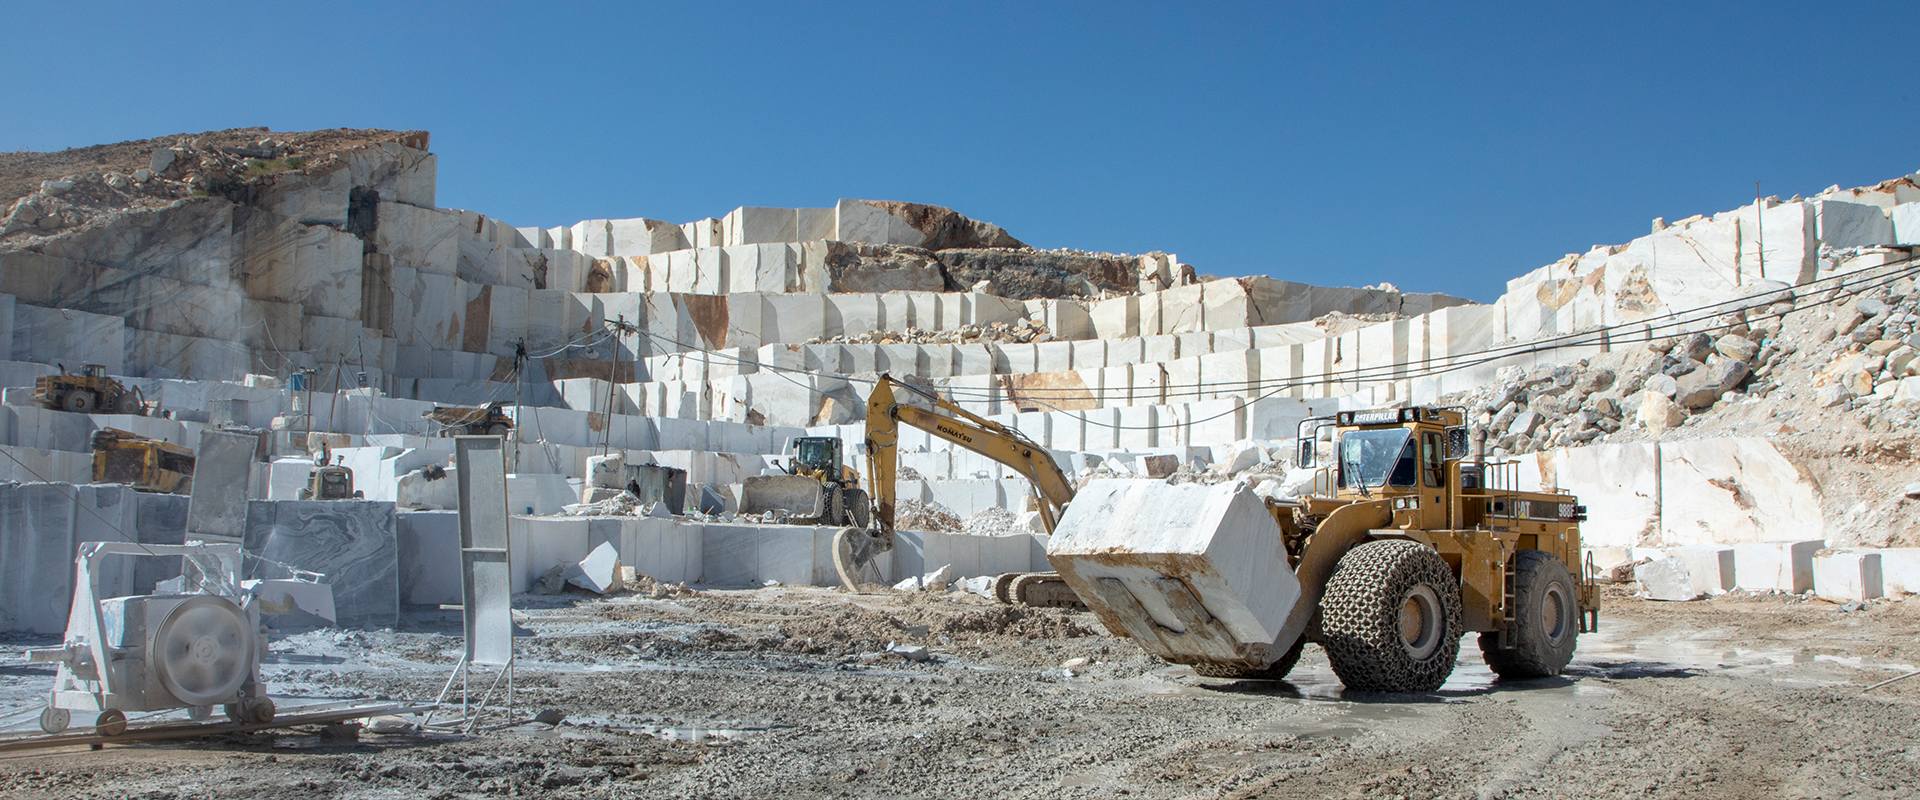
x=786, y=692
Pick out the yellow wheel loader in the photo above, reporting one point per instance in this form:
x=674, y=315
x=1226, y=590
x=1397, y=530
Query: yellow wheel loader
x=88, y=392
x=817, y=489
x=1405, y=545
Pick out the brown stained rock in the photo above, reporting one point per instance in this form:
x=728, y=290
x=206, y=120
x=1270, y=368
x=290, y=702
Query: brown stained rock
x=1049, y=391
x=709, y=315
x=946, y=228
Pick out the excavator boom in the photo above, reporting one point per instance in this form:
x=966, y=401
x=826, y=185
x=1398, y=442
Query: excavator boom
x=948, y=421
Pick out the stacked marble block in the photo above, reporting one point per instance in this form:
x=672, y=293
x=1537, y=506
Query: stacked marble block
x=686, y=551
x=1838, y=575
x=41, y=528
x=1702, y=260
x=155, y=293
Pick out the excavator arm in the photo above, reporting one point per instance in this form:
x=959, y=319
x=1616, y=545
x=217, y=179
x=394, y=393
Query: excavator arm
x=961, y=427
x=853, y=549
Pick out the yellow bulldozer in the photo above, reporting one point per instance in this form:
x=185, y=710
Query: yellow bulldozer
x=88, y=392
x=148, y=465
x=1404, y=545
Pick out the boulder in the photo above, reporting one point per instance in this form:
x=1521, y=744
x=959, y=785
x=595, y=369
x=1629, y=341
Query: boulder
x=1738, y=348
x=1664, y=385
x=1832, y=395
x=1658, y=412
x=1666, y=579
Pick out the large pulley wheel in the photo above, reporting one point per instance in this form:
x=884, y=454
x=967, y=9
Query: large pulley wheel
x=203, y=652
x=1546, y=624
x=1390, y=619
x=856, y=556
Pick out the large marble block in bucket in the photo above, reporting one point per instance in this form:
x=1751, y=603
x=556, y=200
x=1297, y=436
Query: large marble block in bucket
x=1194, y=573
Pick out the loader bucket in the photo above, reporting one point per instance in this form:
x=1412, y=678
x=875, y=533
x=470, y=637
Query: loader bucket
x=1195, y=574
x=795, y=495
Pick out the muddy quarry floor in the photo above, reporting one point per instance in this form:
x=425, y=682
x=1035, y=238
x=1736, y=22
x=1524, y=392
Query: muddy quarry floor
x=790, y=692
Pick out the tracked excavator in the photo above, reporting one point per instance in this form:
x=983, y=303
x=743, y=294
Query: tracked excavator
x=856, y=548
x=1404, y=545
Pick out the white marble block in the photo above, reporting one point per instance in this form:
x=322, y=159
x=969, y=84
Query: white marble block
x=1842, y=225
x=1775, y=566
x=753, y=225
x=1848, y=577
x=1710, y=567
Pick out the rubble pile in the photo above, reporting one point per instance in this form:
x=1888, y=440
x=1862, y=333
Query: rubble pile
x=1822, y=351
x=1021, y=331
x=916, y=515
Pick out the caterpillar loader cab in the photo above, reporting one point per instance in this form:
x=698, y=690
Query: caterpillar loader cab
x=817, y=489
x=1404, y=545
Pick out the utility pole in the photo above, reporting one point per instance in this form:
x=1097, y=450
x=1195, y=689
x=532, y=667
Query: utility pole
x=1759, y=230
x=620, y=327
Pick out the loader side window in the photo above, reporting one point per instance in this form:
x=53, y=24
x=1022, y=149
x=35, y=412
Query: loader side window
x=1431, y=460
x=1377, y=457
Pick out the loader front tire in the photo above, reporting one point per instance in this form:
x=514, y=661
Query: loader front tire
x=1546, y=622
x=1390, y=619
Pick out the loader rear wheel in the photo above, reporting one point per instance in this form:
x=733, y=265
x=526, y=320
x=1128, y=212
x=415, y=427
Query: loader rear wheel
x=1546, y=621
x=78, y=401
x=1276, y=671
x=1390, y=619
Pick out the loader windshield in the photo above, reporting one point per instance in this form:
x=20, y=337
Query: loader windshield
x=817, y=453
x=1375, y=458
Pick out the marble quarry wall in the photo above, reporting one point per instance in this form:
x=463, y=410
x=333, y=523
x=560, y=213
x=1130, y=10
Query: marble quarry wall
x=709, y=345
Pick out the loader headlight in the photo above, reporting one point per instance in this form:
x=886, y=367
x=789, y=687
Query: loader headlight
x=1406, y=503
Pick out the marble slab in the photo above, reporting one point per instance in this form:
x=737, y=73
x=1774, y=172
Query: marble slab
x=352, y=542
x=428, y=548
x=37, y=547
x=222, y=469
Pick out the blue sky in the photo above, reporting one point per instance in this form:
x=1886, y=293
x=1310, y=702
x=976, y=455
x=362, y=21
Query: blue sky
x=1442, y=147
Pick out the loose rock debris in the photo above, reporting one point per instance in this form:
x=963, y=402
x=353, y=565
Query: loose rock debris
x=724, y=698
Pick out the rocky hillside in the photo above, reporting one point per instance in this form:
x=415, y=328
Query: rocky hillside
x=46, y=194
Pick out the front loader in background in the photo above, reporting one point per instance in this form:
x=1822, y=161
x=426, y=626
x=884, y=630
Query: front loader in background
x=817, y=489
x=89, y=391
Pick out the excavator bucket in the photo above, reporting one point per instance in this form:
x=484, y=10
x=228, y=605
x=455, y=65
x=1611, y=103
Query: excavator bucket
x=797, y=496
x=1195, y=574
